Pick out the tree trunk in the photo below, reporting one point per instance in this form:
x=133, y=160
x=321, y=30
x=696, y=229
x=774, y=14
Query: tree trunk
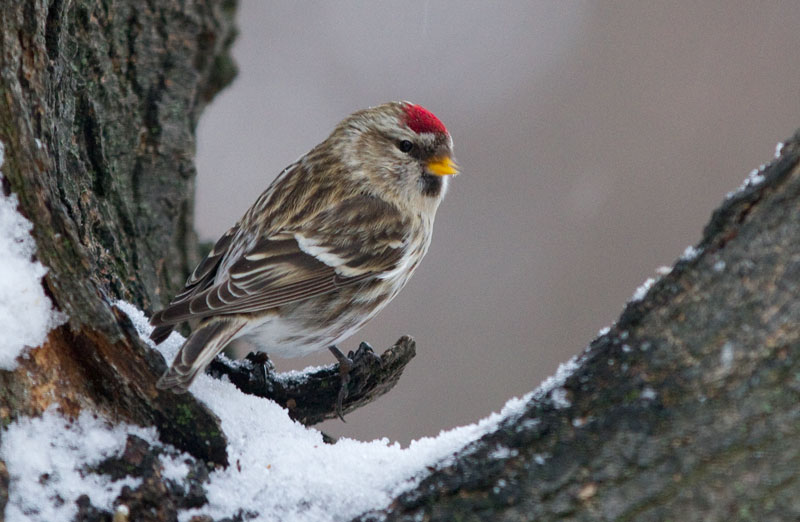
x=98, y=109
x=686, y=409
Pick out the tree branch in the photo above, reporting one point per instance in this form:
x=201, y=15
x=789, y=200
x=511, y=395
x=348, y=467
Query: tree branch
x=687, y=409
x=311, y=397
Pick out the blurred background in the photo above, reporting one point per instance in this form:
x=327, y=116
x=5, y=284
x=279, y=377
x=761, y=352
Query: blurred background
x=595, y=139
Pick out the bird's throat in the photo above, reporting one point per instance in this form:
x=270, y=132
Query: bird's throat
x=431, y=185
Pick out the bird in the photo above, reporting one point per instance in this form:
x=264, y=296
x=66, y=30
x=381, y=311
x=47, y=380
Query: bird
x=323, y=249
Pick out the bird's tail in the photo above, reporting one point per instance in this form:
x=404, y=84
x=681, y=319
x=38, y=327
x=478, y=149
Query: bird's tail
x=160, y=333
x=197, y=352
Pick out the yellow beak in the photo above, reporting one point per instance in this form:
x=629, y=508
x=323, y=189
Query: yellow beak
x=443, y=166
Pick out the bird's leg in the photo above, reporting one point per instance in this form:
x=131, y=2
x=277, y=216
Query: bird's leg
x=345, y=365
x=264, y=372
x=261, y=359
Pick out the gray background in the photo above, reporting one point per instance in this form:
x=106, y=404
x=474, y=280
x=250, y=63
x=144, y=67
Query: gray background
x=595, y=139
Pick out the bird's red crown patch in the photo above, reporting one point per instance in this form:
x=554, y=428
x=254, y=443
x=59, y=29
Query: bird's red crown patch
x=419, y=119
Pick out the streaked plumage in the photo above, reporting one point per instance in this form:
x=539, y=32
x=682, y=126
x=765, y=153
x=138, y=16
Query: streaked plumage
x=332, y=240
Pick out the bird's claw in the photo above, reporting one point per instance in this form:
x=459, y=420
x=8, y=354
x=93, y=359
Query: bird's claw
x=261, y=359
x=345, y=366
x=363, y=356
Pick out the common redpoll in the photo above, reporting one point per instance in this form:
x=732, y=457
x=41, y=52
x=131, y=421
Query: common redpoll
x=331, y=241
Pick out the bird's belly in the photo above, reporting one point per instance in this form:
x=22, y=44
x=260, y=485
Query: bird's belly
x=305, y=328
x=287, y=339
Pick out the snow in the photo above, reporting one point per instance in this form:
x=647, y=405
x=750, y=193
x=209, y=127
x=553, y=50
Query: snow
x=649, y=393
x=579, y=422
x=284, y=471
x=553, y=384
x=173, y=468
x=503, y=452
x=26, y=314
x=279, y=468
x=726, y=356
x=690, y=253
x=756, y=176
x=559, y=399
x=640, y=292
x=299, y=375
x=46, y=458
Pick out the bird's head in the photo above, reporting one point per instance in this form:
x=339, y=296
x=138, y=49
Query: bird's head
x=400, y=152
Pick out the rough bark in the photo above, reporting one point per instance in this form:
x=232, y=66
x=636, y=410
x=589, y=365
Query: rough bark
x=98, y=105
x=686, y=409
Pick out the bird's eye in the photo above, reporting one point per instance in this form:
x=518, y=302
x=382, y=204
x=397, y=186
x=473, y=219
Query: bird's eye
x=405, y=146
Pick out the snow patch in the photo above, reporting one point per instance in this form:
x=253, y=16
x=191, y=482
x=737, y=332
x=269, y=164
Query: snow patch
x=559, y=398
x=174, y=468
x=557, y=380
x=503, y=452
x=579, y=422
x=726, y=356
x=300, y=375
x=690, y=253
x=756, y=176
x=663, y=270
x=47, y=459
x=640, y=292
x=649, y=393
x=26, y=313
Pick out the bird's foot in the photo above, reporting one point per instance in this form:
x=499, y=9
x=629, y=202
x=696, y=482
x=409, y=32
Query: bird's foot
x=261, y=359
x=345, y=366
x=365, y=355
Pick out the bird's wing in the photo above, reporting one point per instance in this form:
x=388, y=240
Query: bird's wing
x=201, y=279
x=358, y=239
x=205, y=272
